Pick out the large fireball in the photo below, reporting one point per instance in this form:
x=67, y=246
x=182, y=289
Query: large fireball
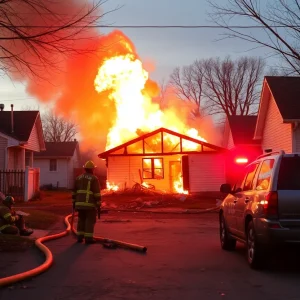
x=125, y=80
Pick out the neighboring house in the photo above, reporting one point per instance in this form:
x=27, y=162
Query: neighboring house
x=57, y=164
x=239, y=139
x=168, y=160
x=279, y=114
x=239, y=131
x=21, y=135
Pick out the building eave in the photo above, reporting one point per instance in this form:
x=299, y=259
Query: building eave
x=291, y=120
x=160, y=130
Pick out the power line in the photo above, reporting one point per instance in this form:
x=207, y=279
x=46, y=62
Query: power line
x=18, y=99
x=159, y=26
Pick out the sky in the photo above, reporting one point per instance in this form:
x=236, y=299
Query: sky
x=165, y=49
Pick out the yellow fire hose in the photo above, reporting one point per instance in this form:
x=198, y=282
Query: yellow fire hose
x=49, y=257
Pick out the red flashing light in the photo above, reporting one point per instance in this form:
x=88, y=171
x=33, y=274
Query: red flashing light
x=241, y=160
x=274, y=226
x=271, y=203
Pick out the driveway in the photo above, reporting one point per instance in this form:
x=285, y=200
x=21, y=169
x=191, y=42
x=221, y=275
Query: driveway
x=184, y=261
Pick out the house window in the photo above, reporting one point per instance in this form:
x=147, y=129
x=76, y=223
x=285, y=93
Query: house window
x=153, y=168
x=53, y=165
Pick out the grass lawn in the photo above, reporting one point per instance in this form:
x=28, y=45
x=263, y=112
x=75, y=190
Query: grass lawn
x=38, y=219
x=41, y=219
x=48, y=198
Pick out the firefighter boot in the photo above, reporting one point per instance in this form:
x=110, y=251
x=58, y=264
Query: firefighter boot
x=26, y=232
x=22, y=228
x=79, y=238
x=90, y=240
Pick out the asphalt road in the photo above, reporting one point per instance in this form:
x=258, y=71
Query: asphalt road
x=184, y=261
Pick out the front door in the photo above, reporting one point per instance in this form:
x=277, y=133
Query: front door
x=175, y=175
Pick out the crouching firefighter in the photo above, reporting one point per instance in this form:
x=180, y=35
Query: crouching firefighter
x=10, y=222
x=86, y=200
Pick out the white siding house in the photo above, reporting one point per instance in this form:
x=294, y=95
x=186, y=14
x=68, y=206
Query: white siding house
x=239, y=140
x=168, y=167
x=239, y=131
x=57, y=164
x=21, y=135
x=279, y=114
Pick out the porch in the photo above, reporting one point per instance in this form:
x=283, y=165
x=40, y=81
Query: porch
x=21, y=184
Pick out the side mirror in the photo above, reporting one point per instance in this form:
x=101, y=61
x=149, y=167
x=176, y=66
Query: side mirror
x=226, y=188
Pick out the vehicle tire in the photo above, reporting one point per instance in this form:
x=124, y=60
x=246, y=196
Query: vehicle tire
x=227, y=243
x=255, y=252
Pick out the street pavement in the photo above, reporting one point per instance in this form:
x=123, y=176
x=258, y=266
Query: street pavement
x=183, y=261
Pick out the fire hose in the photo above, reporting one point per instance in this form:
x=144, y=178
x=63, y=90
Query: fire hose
x=49, y=257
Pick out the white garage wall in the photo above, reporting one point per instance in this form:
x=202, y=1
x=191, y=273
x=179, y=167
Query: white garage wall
x=207, y=172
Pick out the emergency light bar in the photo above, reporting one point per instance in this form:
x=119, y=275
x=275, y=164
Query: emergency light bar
x=241, y=160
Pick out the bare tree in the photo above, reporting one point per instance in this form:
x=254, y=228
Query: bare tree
x=163, y=89
x=279, y=19
x=57, y=129
x=35, y=32
x=231, y=87
x=188, y=85
x=228, y=87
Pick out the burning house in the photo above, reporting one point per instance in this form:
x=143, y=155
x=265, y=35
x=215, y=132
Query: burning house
x=167, y=160
x=149, y=145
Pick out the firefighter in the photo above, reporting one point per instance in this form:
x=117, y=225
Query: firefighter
x=86, y=200
x=10, y=222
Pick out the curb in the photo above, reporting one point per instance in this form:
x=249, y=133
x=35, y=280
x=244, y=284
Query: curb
x=154, y=211
x=187, y=211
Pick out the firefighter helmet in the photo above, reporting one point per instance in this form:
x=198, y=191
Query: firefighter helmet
x=89, y=165
x=9, y=201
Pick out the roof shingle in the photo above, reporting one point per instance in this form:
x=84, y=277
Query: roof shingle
x=242, y=129
x=286, y=93
x=23, y=124
x=58, y=149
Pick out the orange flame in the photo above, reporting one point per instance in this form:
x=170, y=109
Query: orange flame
x=111, y=186
x=127, y=84
x=178, y=186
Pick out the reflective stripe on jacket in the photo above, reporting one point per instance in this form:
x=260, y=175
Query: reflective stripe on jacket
x=6, y=217
x=86, y=193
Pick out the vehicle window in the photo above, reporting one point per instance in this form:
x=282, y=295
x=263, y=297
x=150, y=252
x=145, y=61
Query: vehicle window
x=248, y=182
x=239, y=183
x=264, y=176
x=289, y=173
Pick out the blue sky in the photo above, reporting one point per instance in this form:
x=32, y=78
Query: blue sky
x=166, y=48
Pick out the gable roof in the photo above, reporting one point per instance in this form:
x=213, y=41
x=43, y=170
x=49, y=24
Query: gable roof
x=58, y=149
x=177, y=149
x=242, y=129
x=23, y=123
x=286, y=93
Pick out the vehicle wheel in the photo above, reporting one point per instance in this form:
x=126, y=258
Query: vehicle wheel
x=227, y=243
x=255, y=253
